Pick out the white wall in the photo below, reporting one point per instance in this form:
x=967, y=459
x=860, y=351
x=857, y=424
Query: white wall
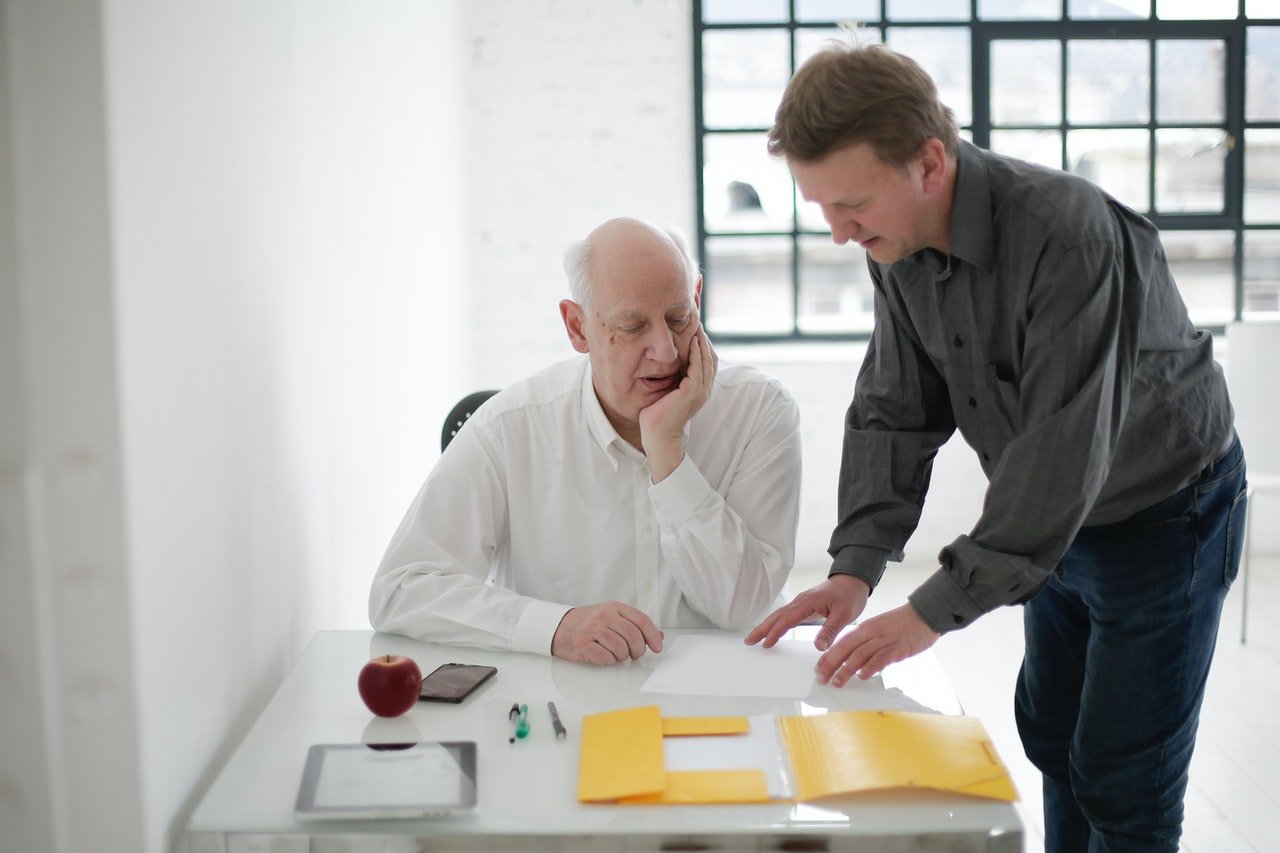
x=241, y=308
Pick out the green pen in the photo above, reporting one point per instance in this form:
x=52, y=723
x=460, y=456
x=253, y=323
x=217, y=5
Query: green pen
x=519, y=717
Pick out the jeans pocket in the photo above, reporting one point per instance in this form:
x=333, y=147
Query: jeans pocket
x=1235, y=536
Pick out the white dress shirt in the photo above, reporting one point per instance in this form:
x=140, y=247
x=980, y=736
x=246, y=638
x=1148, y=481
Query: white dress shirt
x=538, y=506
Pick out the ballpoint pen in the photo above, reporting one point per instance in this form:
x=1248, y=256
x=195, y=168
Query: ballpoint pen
x=555, y=720
x=519, y=717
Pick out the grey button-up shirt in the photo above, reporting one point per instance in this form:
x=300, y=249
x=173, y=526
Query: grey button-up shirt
x=1055, y=340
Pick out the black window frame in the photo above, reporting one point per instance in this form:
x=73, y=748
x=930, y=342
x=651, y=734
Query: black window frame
x=981, y=34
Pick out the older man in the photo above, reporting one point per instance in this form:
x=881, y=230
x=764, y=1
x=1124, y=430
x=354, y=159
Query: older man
x=608, y=496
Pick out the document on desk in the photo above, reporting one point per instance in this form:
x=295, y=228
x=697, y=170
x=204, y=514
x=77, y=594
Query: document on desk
x=725, y=666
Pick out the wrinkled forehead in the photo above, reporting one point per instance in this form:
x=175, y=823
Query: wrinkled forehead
x=643, y=280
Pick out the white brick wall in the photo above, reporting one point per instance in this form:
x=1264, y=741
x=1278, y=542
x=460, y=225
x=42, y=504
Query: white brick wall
x=580, y=110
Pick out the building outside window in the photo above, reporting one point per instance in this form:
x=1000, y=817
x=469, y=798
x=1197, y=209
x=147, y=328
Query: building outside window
x=1172, y=106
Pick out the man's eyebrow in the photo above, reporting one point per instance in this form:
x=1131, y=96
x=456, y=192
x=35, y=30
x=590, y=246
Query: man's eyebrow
x=624, y=315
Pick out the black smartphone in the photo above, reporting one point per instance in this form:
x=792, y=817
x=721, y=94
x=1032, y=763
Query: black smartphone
x=453, y=682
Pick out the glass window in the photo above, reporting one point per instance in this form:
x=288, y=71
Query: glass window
x=1262, y=175
x=928, y=10
x=1261, y=275
x=1195, y=10
x=1262, y=74
x=744, y=189
x=944, y=53
x=1119, y=161
x=1203, y=265
x=1121, y=92
x=744, y=11
x=1036, y=146
x=748, y=285
x=835, y=287
x=837, y=10
x=743, y=74
x=1026, y=77
x=1025, y=10
x=1101, y=9
x=1191, y=80
x=1190, y=170
x=1108, y=81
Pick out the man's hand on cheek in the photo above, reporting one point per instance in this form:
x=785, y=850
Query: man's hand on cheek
x=662, y=423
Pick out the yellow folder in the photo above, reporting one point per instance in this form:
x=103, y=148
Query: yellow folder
x=838, y=753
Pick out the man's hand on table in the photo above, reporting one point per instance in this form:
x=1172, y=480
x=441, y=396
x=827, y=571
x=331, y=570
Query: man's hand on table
x=867, y=649
x=604, y=634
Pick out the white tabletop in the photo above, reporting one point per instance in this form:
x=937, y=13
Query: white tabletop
x=528, y=790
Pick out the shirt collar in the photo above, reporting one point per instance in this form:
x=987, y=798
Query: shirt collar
x=972, y=237
x=602, y=432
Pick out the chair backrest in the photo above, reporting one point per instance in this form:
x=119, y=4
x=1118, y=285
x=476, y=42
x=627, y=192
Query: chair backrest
x=1253, y=365
x=465, y=409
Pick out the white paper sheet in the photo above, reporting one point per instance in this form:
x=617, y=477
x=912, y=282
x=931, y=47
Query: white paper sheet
x=725, y=666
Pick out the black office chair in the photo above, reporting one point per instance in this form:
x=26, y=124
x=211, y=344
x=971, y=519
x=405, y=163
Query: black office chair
x=465, y=409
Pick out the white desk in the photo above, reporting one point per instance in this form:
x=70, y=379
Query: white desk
x=528, y=790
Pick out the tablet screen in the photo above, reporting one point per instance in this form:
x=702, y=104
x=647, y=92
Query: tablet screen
x=354, y=780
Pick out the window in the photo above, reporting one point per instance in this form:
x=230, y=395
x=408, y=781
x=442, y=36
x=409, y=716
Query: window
x=1172, y=106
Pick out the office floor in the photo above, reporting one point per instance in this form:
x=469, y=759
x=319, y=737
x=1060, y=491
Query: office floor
x=1233, y=802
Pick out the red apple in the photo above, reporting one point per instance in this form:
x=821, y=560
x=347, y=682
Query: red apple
x=389, y=684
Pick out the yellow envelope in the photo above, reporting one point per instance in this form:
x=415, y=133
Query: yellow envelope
x=621, y=761
x=838, y=753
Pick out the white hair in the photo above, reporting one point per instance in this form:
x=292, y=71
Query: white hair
x=577, y=264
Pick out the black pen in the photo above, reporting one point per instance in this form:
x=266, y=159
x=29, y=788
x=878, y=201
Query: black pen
x=555, y=720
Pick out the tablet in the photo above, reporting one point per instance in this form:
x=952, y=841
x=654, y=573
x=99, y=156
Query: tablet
x=387, y=780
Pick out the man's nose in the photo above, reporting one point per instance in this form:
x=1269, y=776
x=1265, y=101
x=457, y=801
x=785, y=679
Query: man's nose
x=662, y=344
x=842, y=230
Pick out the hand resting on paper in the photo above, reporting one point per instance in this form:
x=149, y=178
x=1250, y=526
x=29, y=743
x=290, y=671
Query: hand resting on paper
x=867, y=649
x=604, y=634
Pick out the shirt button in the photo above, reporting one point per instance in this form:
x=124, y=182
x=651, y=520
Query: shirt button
x=648, y=528
x=973, y=404
x=959, y=343
x=986, y=458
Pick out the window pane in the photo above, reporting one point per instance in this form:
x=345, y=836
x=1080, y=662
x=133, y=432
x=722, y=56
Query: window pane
x=1261, y=176
x=944, y=53
x=810, y=41
x=743, y=74
x=837, y=10
x=743, y=11
x=1035, y=10
x=1261, y=274
x=1262, y=9
x=744, y=189
x=1092, y=9
x=928, y=10
x=1116, y=160
x=1195, y=10
x=1026, y=78
x=1108, y=82
x=1191, y=80
x=1036, y=146
x=748, y=285
x=835, y=287
x=1190, y=170
x=1202, y=263
x=1262, y=74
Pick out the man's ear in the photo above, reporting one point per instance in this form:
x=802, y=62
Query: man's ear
x=934, y=164
x=697, y=294
x=573, y=316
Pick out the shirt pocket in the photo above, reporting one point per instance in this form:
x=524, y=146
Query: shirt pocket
x=1003, y=418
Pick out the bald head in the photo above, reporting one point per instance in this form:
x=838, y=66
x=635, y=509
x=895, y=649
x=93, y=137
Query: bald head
x=628, y=248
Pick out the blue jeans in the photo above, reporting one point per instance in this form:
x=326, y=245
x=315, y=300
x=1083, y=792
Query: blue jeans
x=1118, y=647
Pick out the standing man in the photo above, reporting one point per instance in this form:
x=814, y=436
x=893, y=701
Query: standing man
x=1037, y=315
